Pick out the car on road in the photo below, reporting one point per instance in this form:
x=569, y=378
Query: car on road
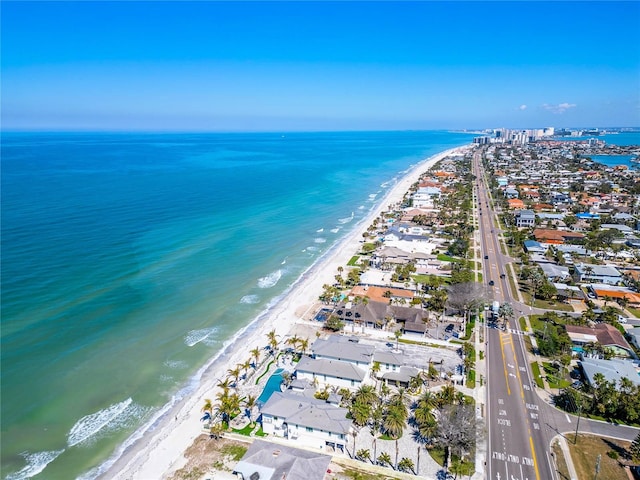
x=502, y=275
x=449, y=327
x=492, y=283
x=486, y=257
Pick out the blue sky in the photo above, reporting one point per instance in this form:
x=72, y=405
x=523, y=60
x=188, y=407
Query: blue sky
x=246, y=66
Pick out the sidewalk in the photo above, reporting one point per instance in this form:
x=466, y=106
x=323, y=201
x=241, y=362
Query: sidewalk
x=562, y=442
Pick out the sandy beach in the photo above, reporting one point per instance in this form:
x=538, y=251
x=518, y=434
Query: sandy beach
x=159, y=451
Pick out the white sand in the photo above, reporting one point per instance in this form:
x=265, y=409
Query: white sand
x=160, y=450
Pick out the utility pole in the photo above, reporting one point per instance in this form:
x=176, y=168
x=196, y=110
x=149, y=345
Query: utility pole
x=597, y=467
x=575, y=440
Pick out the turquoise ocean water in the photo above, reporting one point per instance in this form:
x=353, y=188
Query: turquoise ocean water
x=128, y=260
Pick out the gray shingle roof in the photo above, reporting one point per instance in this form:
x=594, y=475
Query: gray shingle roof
x=280, y=460
x=331, y=368
x=342, y=348
x=613, y=370
x=299, y=410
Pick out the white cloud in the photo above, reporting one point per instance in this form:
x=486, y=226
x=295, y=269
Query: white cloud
x=560, y=108
x=522, y=107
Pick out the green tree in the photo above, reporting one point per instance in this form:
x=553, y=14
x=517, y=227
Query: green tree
x=397, y=334
x=406, y=465
x=363, y=454
x=384, y=459
x=334, y=323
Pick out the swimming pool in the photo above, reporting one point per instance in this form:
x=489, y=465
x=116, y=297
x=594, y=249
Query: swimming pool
x=273, y=385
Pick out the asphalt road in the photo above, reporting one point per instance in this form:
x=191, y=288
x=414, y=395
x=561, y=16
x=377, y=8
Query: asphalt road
x=521, y=425
x=516, y=444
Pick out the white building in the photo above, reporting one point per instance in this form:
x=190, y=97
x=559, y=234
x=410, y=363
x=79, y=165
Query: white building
x=308, y=421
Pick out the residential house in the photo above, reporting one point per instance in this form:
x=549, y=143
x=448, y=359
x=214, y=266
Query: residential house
x=308, y=421
x=343, y=348
x=268, y=461
x=597, y=274
x=331, y=372
x=525, y=218
x=532, y=246
x=634, y=336
x=613, y=370
x=606, y=335
x=555, y=272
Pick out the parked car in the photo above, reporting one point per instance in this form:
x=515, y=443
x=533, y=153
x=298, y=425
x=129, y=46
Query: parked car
x=491, y=282
x=486, y=257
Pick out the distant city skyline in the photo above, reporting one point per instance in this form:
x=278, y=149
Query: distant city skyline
x=306, y=66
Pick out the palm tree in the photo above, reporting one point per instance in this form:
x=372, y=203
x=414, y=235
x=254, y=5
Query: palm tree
x=273, y=341
x=363, y=454
x=425, y=406
x=293, y=341
x=394, y=422
x=384, y=459
x=366, y=394
x=406, y=465
x=376, y=424
x=225, y=384
x=397, y=334
x=303, y=344
x=246, y=366
x=208, y=406
x=375, y=369
x=249, y=402
x=235, y=374
x=255, y=353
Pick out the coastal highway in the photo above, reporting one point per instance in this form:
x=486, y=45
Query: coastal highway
x=520, y=424
x=517, y=448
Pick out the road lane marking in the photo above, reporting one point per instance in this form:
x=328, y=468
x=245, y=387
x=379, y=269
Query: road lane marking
x=568, y=419
x=535, y=463
x=504, y=362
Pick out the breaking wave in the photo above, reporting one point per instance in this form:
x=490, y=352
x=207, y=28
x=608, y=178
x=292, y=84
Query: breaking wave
x=193, y=337
x=270, y=280
x=36, y=463
x=250, y=299
x=342, y=221
x=91, y=424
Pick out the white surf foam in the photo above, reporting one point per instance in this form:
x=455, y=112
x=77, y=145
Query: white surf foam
x=335, y=230
x=91, y=424
x=372, y=197
x=319, y=240
x=250, y=299
x=36, y=463
x=176, y=364
x=311, y=249
x=193, y=337
x=320, y=230
x=270, y=280
x=342, y=221
x=361, y=207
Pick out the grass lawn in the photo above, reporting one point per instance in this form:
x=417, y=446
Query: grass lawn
x=634, y=311
x=564, y=307
x=586, y=451
x=265, y=372
x=462, y=468
x=561, y=464
x=523, y=324
x=554, y=380
x=535, y=369
x=245, y=431
x=446, y=258
x=471, y=379
x=349, y=472
x=354, y=261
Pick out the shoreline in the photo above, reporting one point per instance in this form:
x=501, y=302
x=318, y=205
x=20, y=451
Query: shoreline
x=157, y=448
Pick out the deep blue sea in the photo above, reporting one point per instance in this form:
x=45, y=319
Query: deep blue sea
x=128, y=260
